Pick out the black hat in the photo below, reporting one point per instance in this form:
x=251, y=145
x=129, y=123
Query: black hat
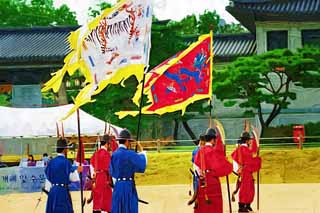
x=210, y=134
x=62, y=143
x=245, y=136
x=125, y=135
x=201, y=138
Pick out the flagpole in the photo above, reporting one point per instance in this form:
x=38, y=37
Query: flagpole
x=258, y=185
x=228, y=188
x=139, y=123
x=140, y=106
x=210, y=123
x=228, y=183
x=210, y=114
x=80, y=163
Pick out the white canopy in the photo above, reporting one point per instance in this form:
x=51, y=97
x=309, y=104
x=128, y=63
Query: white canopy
x=37, y=122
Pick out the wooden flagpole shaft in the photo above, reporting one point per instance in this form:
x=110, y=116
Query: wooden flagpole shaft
x=80, y=163
x=139, y=123
x=228, y=184
x=258, y=187
x=140, y=108
x=229, y=196
x=210, y=114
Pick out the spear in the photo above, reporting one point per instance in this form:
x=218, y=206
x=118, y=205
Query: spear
x=80, y=163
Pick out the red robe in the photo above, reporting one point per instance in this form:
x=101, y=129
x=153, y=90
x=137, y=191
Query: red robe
x=216, y=163
x=114, y=145
x=248, y=164
x=102, y=192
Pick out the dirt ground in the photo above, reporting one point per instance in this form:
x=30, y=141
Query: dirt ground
x=274, y=198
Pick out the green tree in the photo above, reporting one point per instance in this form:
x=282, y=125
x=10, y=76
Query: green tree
x=188, y=25
x=116, y=98
x=23, y=13
x=208, y=21
x=267, y=80
x=95, y=11
x=232, y=29
x=165, y=42
x=4, y=100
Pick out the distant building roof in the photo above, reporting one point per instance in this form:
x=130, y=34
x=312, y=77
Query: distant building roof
x=228, y=47
x=249, y=11
x=29, y=45
x=49, y=45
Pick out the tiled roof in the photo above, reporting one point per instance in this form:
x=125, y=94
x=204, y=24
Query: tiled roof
x=42, y=45
x=230, y=46
x=280, y=6
x=247, y=12
x=49, y=45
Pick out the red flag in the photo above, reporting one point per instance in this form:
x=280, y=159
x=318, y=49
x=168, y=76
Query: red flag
x=178, y=81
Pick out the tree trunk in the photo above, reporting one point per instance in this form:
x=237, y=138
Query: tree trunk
x=188, y=129
x=262, y=131
x=62, y=94
x=176, y=128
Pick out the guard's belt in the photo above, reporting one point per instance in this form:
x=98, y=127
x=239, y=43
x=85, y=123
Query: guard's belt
x=124, y=179
x=60, y=184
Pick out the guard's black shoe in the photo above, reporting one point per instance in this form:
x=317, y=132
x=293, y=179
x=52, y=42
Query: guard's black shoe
x=242, y=208
x=248, y=206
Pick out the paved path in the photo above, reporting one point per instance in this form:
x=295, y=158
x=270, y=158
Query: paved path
x=275, y=198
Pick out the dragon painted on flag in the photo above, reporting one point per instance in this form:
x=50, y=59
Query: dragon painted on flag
x=108, y=50
x=178, y=81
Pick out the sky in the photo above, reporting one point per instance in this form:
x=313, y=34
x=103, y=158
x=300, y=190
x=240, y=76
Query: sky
x=163, y=9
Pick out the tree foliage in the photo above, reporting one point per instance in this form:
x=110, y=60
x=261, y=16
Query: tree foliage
x=208, y=21
x=23, y=13
x=116, y=98
x=231, y=28
x=188, y=25
x=95, y=11
x=267, y=80
x=4, y=100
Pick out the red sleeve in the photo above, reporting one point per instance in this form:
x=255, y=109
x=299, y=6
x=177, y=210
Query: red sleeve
x=201, y=154
x=92, y=160
x=237, y=155
x=114, y=145
x=219, y=146
x=254, y=146
x=197, y=158
x=220, y=165
x=254, y=164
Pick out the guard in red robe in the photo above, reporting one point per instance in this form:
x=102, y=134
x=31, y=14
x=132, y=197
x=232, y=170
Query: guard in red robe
x=212, y=164
x=247, y=163
x=102, y=187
